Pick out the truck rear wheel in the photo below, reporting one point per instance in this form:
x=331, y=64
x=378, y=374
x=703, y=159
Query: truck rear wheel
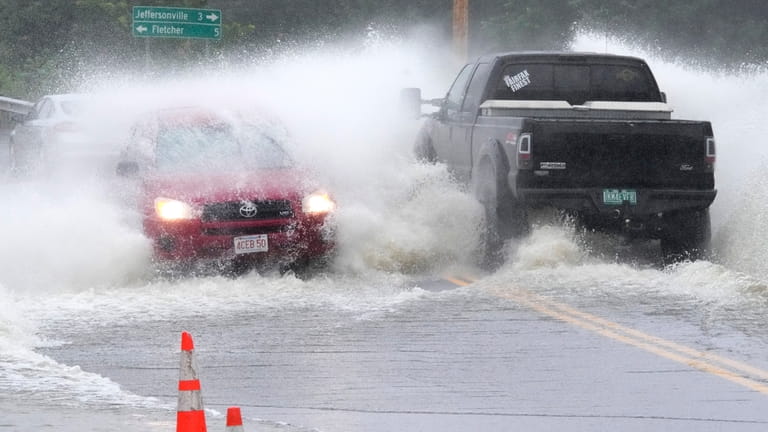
x=485, y=190
x=687, y=236
x=505, y=218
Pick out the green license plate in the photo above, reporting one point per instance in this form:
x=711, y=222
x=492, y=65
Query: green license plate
x=618, y=196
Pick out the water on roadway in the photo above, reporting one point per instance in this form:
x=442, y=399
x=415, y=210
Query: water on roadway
x=89, y=337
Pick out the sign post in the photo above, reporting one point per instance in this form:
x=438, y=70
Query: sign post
x=170, y=22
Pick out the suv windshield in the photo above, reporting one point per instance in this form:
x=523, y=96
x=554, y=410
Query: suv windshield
x=215, y=147
x=576, y=83
x=73, y=108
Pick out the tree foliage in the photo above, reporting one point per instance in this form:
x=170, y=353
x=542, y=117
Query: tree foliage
x=523, y=24
x=731, y=32
x=45, y=42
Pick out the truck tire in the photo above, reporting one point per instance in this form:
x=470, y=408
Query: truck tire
x=424, y=150
x=687, y=236
x=485, y=190
x=505, y=216
x=513, y=217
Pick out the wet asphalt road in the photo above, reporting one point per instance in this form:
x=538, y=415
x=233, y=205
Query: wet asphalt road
x=485, y=356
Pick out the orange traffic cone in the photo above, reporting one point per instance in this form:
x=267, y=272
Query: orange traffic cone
x=190, y=416
x=234, y=420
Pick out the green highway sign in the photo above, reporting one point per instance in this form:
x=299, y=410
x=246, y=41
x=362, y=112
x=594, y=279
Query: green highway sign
x=168, y=22
x=176, y=30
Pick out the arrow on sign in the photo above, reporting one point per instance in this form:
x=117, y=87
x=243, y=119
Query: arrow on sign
x=213, y=17
x=141, y=29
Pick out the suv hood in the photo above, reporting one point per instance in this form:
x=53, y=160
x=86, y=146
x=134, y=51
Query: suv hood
x=200, y=188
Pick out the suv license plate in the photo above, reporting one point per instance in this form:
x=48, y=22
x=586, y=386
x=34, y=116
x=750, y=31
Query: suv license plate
x=618, y=196
x=251, y=243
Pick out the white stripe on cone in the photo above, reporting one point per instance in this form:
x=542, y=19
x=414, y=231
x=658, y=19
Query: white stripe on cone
x=190, y=416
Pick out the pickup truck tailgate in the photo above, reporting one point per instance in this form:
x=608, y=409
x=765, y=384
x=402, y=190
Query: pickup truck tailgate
x=569, y=153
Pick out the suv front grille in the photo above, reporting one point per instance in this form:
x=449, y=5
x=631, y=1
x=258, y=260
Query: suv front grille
x=246, y=230
x=235, y=211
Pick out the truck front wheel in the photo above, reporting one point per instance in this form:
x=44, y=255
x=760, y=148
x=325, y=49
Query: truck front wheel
x=687, y=236
x=425, y=151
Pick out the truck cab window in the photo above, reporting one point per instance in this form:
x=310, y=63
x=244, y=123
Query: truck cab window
x=476, y=87
x=576, y=83
x=456, y=93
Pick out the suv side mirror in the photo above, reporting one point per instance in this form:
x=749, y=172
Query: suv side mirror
x=127, y=169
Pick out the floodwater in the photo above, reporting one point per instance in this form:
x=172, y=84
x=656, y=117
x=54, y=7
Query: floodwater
x=89, y=337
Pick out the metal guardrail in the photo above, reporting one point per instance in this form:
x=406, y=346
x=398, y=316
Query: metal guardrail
x=15, y=105
x=12, y=110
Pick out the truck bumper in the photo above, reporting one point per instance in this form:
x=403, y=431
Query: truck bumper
x=590, y=201
x=644, y=218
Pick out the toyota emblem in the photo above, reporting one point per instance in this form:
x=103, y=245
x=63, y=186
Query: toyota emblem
x=248, y=209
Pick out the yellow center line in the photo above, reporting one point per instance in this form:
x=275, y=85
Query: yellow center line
x=682, y=349
x=732, y=370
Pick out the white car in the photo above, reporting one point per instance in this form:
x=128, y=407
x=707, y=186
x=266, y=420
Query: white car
x=54, y=131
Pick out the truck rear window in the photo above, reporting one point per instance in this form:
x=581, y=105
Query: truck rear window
x=576, y=83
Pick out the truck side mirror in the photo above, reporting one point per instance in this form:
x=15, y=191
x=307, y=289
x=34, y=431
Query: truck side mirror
x=663, y=97
x=410, y=102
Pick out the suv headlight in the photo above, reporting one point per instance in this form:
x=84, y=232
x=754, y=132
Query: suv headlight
x=318, y=203
x=171, y=209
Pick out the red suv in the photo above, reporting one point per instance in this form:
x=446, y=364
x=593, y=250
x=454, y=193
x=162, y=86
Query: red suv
x=222, y=191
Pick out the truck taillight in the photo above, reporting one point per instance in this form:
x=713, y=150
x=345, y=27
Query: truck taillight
x=524, y=151
x=711, y=154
